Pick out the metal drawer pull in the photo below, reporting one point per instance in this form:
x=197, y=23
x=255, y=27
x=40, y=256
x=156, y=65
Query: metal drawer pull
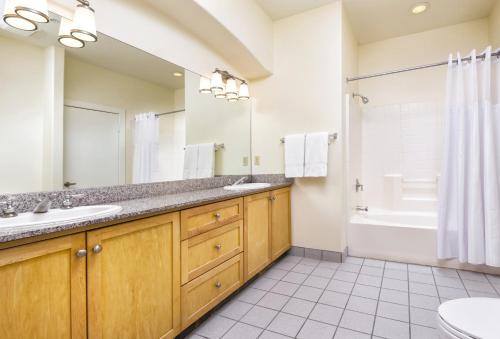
x=97, y=248
x=218, y=247
x=217, y=215
x=273, y=198
x=218, y=284
x=81, y=253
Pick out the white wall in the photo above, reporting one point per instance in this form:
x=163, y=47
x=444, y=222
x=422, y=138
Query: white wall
x=304, y=95
x=99, y=86
x=22, y=107
x=494, y=22
x=402, y=123
x=216, y=120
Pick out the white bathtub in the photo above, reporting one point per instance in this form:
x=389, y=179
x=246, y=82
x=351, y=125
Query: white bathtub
x=396, y=218
x=393, y=235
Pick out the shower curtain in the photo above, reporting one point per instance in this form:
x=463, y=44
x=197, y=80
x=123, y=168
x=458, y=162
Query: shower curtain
x=469, y=192
x=146, y=148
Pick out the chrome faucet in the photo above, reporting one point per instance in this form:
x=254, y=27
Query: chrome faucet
x=43, y=205
x=359, y=186
x=8, y=211
x=240, y=181
x=362, y=208
x=68, y=200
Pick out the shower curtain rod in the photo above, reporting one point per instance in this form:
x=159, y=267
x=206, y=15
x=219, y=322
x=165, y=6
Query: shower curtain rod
x=361, y=77
x=172, y=112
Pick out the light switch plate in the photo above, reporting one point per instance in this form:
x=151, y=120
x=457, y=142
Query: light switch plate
x=245, y=161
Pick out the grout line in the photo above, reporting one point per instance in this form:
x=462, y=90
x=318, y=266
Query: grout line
x=378, y=300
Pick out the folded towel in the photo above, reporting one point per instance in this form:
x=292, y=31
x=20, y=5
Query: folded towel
x=294, y=155
x=190, y=162
x=206, y=161
x=316, y=157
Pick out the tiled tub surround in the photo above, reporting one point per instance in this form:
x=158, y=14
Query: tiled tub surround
x=136, y=201
x=362, y=298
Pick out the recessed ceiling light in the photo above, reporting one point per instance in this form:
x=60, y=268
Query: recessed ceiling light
x=177, y=74
x=420, y=7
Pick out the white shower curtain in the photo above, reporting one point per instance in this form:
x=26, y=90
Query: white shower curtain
x=146, y=148
x=469, y=192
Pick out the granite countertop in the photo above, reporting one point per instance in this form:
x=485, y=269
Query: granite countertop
x=133, y=209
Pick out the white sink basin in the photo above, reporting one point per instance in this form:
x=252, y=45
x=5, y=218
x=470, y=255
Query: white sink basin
x=250, y=186
x=60, y=215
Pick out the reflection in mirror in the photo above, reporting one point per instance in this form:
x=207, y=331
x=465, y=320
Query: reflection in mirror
x=108, y=114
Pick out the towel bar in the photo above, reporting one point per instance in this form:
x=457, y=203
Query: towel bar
x=217, y=147
x=331, y=138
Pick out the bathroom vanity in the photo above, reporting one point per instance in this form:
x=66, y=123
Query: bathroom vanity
x=150, y=277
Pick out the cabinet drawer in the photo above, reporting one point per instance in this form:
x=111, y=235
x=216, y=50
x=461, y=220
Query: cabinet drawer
x=201, y=219
x=203, y=293
x=203, y=252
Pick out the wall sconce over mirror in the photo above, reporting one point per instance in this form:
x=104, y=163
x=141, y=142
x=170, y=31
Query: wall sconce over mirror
x=223, y=85
x=26, y=14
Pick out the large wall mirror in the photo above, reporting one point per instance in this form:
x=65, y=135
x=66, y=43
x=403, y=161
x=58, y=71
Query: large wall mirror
x=108, y=114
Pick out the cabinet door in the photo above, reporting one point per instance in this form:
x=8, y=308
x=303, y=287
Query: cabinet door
x=42, y=290
x=257, y=232
x=281, y=233
x=134, y=279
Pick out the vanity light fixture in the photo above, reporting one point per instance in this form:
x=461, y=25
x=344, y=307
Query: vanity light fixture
x=223, y=85
x=84, y=27
x=419, y=8
x=33, y=10
x=65, y=37
x=11, y=18
x=205, y=85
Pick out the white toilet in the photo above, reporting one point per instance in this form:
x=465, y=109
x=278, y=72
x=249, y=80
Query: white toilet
x=469, y=318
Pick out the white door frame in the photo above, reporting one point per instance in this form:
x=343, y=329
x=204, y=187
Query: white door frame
x=121, y=118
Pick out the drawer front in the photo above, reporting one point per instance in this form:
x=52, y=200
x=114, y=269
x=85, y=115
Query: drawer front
x=203, y=293
x=201, y=219
x=201, y=253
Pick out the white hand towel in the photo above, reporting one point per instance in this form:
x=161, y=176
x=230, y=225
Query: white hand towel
x=316, y=158
x=294, y=155
x=190, y=162
x=206, y=161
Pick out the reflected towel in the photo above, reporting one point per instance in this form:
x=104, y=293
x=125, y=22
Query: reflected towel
x=294, y=155
x=190, y=162
x=206, y=161
x=316, y=157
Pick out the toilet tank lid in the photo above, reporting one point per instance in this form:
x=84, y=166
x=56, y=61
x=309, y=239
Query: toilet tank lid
x=475, y=317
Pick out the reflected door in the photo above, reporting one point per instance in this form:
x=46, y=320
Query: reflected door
x=92, y=148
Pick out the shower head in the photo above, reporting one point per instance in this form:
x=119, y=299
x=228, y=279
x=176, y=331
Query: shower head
x=363, y=98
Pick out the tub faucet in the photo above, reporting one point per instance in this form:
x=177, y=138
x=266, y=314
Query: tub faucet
x=240, y=181
x=362, y=208
x=359, y=186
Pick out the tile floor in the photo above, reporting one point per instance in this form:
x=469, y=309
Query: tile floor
x=361, y=298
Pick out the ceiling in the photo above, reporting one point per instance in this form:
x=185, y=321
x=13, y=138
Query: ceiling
x=279, y=9
x=108, y=53
x=374, y=20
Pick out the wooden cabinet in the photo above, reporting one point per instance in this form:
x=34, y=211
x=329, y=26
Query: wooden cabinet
x=134, y=279
x=257, y=209
x=280, y=220
x=205, y=251
x=267, y=229
x=42, y=290
x=203, y=293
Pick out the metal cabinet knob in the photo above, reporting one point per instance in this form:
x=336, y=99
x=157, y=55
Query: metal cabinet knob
x=273, y=198
x=81, y=253
x=218, y=284
x=97, y=248
x=218, y=247
x=217, y=215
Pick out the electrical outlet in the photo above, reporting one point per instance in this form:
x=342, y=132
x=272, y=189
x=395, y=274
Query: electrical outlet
x=256, y=160
x=245, y=161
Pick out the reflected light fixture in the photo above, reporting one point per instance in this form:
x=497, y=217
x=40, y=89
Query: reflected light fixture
x=11, y=18
x=224, y=85
x=177, y=74
x=33, y=10
x=419, y=7
x=84, y=27
x=205, y=85
x=65, y=37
